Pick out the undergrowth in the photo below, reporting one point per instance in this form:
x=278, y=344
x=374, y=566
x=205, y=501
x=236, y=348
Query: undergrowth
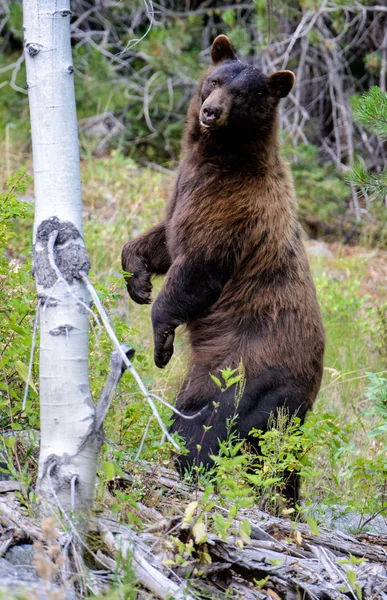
x=340, y=451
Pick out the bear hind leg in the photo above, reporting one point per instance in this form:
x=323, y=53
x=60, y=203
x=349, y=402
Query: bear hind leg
x=264, y=397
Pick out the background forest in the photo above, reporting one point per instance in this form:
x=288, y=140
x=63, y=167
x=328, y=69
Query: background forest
x=136, y=64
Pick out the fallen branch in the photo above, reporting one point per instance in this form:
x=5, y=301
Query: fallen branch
x=151, y=578
x=288, y=558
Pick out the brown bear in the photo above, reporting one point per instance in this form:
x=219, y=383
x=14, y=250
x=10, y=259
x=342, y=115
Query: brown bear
x=237, y=274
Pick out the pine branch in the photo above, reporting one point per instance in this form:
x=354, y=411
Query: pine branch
x=372, y=111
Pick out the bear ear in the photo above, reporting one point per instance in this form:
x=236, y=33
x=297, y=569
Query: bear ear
x=281, y=83
x=221, y=50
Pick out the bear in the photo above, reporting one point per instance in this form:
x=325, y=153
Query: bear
x=237, y=273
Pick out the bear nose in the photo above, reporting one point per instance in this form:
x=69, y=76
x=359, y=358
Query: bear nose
x=211, y=113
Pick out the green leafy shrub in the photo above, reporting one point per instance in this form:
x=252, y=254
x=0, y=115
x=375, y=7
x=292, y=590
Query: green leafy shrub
x=321, y=191
x=377, y=394
x=17, y=307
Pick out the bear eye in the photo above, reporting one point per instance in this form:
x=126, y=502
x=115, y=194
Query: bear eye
x=240, y=95
x=214, y=83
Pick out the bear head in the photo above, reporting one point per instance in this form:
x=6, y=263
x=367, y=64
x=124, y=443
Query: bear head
x=237, y=96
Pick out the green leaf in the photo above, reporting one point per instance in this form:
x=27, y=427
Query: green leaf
x=353, y=560
x=10, y=441
x=313, y=526
x=16, y=427
x=221, y=526
x=245, y=530
x=352, y=579
x=17, y=329
x=233, y=380
x=378, y=430
x=246, y=502
x=108, y=470
x=260, y=583
x=208, y=491
x=275, y=562
x=254, y=479
x=216, y=380
x=22, y=370
x=237, y=448
x=227, y=373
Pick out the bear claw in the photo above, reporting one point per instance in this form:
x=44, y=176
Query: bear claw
x=139, y=291
x=164, y=351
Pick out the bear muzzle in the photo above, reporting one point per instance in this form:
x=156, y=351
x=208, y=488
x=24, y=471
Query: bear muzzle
x=212, y=117
x=214, y=111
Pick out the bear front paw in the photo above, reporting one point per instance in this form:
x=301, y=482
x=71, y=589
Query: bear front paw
x=139, y=287
x=164, y=348
x=138, y=279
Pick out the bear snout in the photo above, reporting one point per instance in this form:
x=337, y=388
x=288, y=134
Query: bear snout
x=211, y=112
x=215, y=110
x=210, y=115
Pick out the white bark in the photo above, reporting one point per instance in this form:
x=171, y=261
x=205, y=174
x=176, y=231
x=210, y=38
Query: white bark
x=69, y=439
x=50, y=83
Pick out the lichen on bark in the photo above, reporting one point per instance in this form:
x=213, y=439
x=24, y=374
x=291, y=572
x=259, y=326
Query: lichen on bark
x=69, y=252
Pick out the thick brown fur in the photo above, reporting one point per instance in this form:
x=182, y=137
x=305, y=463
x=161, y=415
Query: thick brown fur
x=236, y=270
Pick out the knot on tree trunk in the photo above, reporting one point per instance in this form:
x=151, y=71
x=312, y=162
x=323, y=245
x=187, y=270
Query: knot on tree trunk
x=59, y=243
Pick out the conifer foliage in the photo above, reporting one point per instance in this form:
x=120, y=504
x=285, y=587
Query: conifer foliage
x=371, y=113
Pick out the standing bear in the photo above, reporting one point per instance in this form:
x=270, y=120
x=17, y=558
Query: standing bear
x=237, y=275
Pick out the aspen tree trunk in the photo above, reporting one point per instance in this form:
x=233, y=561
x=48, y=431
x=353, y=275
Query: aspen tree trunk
x=70, y=439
